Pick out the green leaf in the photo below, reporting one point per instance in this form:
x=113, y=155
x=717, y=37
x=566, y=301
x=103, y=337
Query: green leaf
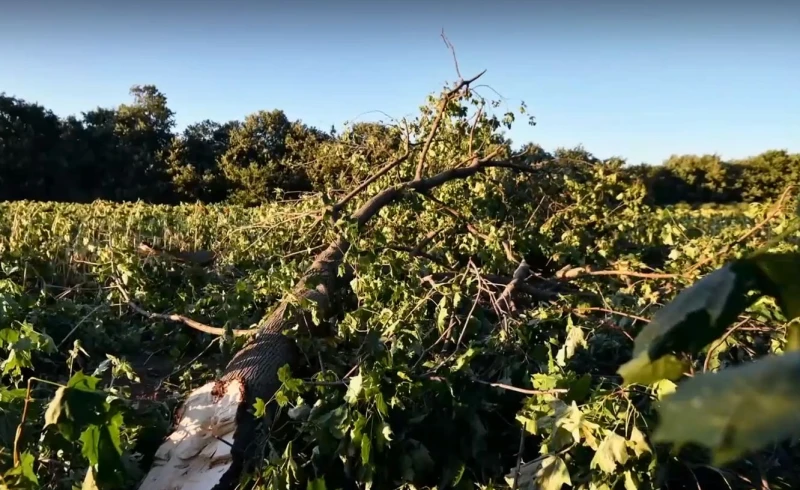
x=102, y=448
x=366, y=448
x=737, y=410
x=643, y=370
x=613, y=450
x=354, y=388
x=697, y=315
x=444, y=314
x=260, y=408
x=781, y=272
x=548, y=472
x=638, y=443
x=25, y=469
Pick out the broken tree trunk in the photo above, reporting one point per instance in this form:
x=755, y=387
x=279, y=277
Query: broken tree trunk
x=214, y=437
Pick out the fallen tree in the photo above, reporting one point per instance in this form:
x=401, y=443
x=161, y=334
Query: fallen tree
x=214, y=438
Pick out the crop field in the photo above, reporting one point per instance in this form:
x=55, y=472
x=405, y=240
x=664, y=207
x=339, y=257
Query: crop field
x=435, y=309
x=428, y=373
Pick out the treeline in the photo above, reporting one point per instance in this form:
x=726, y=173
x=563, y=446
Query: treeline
x=132, y=152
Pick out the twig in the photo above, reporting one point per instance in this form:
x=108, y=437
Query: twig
x=573, y=272
x=519, y=275
x=418, y=253
x=178, y=318
x=28, y=399
x=474, y=125
x=186, y=365
x=433, y=377
x=18, y=435
x=542, y=294
x=470, y=227
x=427, y=239
x=77, y=325
x=452, y=50
x=438, y=120
x=524, y=391
x=386, y=168
x=721, y=341
x=519, y=456
x=614, y=312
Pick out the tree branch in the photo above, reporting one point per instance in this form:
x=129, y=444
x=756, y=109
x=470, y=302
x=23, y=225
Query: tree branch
x=383, y=171
x=449, y=96
x=569, y=272
x=437, y=277
x=178, y=318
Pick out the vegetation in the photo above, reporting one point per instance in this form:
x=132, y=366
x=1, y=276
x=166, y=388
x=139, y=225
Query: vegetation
x=463, y=314
x=132, y=152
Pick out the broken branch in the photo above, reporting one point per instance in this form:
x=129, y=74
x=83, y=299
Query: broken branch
x=177, y=318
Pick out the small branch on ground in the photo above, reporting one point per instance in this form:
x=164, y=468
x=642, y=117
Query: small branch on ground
x=614, y=312
x=570, y=272
x=720, y=342
x=470, y=227
x=177, y=318
x=197, y=257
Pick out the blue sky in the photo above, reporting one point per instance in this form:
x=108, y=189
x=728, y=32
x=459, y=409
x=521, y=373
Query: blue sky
x=641, y=80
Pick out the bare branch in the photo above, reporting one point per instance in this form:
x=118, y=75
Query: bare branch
x=519, y=275
x=383, y=171
x=427, y=239
x=452, y=50
x=178, y=318
x=494, y=279
x=569, y=272
x=619, y=313
x=474, y=125
x=449, y=96
x=522, y=390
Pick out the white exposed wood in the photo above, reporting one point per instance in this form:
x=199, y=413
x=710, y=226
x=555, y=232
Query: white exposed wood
x=193, y=457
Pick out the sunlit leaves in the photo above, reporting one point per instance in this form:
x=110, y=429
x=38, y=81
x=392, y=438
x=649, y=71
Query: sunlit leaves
x=613, y=451
x=79, y=411
x=548, y=472
x=22, y=476
x=21, y=341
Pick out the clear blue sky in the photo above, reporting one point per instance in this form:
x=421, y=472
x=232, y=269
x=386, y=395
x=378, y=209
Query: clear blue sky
x=641, y=80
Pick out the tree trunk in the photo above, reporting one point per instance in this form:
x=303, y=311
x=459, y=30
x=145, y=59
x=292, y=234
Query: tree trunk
x=216, y=432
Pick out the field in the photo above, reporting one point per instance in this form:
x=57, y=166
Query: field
x=427, y=374
x=437, y=310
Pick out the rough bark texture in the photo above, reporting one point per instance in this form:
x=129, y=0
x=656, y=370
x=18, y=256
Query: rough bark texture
x=256, y=365
x=215, y=464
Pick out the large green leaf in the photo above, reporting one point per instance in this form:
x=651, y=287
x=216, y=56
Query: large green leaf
x=780, y=278
x=698, y=315
x=736, y=410
x=76, y=406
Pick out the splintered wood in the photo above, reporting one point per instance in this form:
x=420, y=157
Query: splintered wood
x=198, y=452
